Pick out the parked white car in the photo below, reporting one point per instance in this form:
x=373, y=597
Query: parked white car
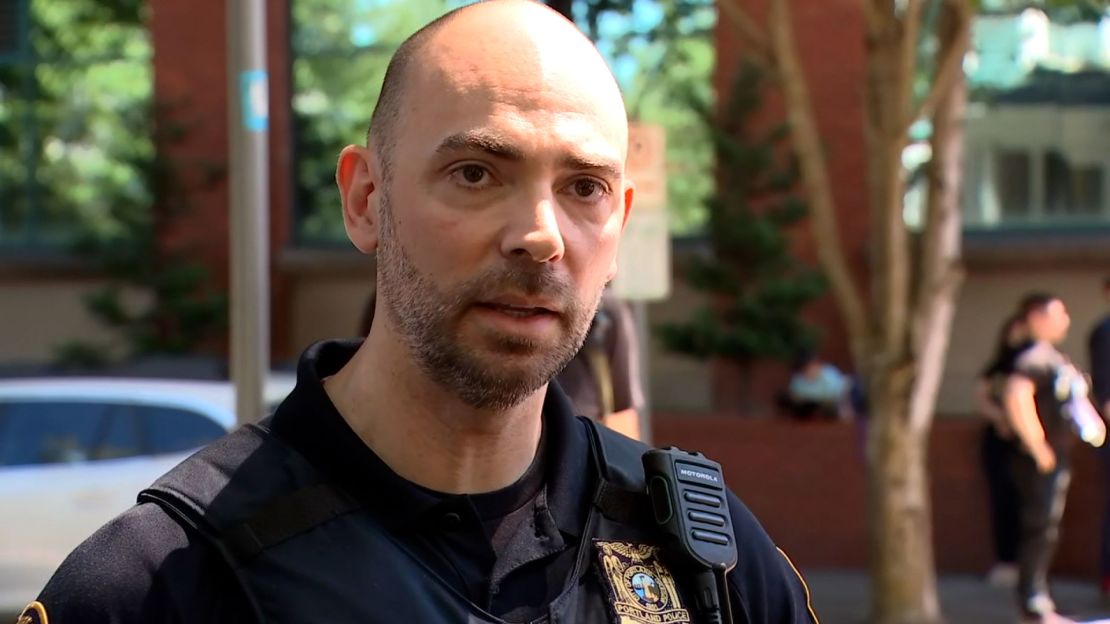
x=75, y=452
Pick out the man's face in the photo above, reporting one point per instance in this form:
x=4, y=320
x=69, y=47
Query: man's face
x=1052, y=322
x=499, y=224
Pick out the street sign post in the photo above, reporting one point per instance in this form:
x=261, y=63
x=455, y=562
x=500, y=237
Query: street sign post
x=248, y=103
x=644, y=259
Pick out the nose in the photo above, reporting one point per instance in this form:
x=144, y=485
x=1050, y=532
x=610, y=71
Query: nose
x=533, y=233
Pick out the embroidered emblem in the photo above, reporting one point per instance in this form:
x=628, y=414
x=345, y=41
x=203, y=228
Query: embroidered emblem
x=35, y=613
x=641, y=590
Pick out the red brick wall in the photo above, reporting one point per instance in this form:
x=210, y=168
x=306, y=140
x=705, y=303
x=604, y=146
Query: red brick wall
x=190, y=77
x=190, y=74
x=830, y=40
x=806, y=483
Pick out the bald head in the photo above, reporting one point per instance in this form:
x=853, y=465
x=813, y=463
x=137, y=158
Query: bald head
x=494, y=37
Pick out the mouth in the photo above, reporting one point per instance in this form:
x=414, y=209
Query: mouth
x=517, y=310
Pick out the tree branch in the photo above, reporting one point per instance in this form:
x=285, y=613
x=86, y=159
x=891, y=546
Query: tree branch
x=872, y=18
x=951, y=65
x=811, y=158
x=745, y=26
x=941, y=273
x=911, y=32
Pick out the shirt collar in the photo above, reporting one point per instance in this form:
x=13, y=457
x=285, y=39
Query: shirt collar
x=309, y=422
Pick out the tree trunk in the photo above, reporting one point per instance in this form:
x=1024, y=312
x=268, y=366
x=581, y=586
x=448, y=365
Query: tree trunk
x=902, y=572
x=903, y=565
x=900, y=338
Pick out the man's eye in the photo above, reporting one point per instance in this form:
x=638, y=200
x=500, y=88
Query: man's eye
x=587, y=189
x=471, y=174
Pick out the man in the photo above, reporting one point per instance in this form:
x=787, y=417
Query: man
x=603, y=380
x=429, y=473
x=1099, y=351
x=1036, y=394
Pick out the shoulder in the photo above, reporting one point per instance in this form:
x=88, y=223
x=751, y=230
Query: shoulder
x=621, y=456
x=1038, y=358
x=766, y=586
x=142, y=567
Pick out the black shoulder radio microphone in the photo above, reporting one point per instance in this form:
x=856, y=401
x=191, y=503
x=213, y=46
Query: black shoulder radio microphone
x=688, y=500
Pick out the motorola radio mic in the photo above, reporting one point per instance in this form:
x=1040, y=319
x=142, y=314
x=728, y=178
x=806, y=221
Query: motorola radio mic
x=689, y=502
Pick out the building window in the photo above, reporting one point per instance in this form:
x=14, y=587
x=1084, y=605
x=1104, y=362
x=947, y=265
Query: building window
x=75, y=91
x=1039, y=79
x=1072, y=189
x=1011, y=179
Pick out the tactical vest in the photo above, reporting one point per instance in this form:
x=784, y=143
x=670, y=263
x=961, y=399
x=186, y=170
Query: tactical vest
x=303, y=550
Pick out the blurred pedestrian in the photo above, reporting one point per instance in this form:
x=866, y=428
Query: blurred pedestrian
x=818, y=389
x=603, y=380
x=998, y=447
x=1037, y=397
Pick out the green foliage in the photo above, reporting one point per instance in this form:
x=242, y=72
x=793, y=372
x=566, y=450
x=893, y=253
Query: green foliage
x=156, y=298
x=757, y=289
x=79, y=171
x=341, y=51
x=662, y=52
x=68, y=110
x=80, y=355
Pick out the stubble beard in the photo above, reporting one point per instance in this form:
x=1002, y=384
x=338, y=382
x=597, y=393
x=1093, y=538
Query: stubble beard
x=503, y=370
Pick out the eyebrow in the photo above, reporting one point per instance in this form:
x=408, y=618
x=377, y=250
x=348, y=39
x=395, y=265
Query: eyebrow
x=499, y=146
x=582, y=163
x=481, y=141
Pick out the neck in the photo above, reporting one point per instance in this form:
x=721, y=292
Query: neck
x=422, y=431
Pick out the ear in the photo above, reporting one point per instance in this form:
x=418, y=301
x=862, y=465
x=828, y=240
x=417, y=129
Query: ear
x=356, y=174
x=626, y=210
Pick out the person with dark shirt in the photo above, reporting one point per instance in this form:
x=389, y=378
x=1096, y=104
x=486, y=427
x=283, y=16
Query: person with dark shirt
x=603, y=379
x=997, y=448
x=1098, y=347
x=430, y=473
x=1036, y=396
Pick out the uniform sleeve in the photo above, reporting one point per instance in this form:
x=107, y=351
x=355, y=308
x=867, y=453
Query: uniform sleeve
x=1100, y=363
x=143, y=567
x=765, y=587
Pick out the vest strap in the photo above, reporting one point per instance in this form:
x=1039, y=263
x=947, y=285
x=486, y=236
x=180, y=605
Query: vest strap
x=617, y=502
x=286, y=517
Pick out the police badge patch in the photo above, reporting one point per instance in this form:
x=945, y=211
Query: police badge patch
x=641, y=589
x=34, y=613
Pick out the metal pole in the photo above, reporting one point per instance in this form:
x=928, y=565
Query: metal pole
x=643, y=334
x=248, y=99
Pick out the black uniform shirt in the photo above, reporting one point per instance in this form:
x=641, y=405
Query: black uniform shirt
x=1051, y=372
x=999, y=369
x=511, y=551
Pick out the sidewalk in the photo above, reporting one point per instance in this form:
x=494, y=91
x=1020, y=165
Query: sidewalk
x=842, y=597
